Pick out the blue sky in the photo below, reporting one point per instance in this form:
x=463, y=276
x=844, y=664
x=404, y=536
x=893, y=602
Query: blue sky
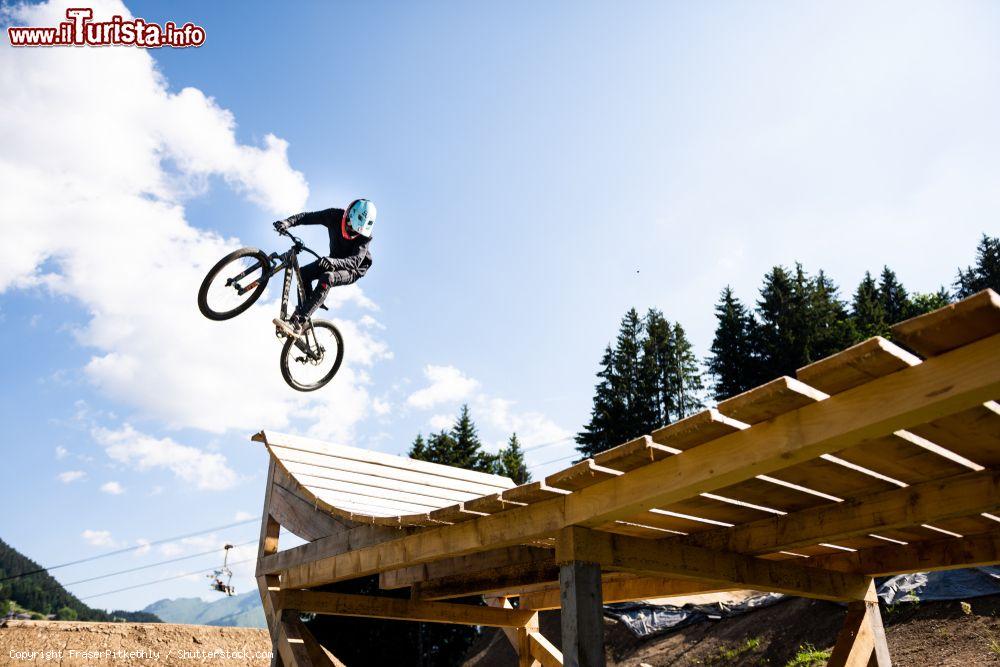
x=538, y=170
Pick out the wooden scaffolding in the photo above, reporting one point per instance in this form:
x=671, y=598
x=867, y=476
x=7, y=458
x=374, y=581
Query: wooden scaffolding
x=878, y=460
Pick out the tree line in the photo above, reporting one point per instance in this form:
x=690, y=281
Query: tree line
x=651, y=376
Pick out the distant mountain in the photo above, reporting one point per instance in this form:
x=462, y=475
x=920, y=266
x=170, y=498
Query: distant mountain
x=41, y=593
x=243, y=611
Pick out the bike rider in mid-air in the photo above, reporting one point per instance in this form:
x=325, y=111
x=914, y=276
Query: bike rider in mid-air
x=350, y=257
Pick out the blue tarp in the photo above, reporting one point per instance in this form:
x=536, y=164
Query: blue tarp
x=946, y=585
x=646, y=619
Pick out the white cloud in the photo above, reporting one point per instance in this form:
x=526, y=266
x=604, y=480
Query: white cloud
x=101, y=156
x=144, y=547
x=61, y=453
x=440, y=422
x=447, y=385
x=243, y=516
x=71, y=476
x=112, y=488
x=207, y=471
x=97, y=538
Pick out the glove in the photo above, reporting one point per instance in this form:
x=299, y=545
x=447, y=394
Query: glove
x=325, y=263
x=281, y=226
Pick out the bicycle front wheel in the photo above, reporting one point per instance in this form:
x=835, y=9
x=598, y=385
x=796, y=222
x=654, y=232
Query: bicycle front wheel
x=311, y=361
x=234, y=284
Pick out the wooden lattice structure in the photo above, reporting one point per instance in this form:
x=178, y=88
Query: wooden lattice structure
x=881, y=459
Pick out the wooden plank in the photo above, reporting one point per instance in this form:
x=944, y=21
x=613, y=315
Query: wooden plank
x=287, y=455
x=626, y=590
x=856, y=365
x=464, y=565
x=544, y=651
x=300, y=517
x=367, y=494
x=697, y=429
x=356, y=454
x=902, y=459
x=973, y=433
x=582, y=616
x=942, y=554
x=302, y=649
x=499, y=580
x=490, y=504
x=343, y=604
x=922, y=503
x=856, y=641
x=683, y=561
x=358, y=537
x=532, y=492
x=453, y=514
x=376, y=485
x=633, y=454
x=580, y=475
x=769, y=400
x=940, y=386
x=957, y=324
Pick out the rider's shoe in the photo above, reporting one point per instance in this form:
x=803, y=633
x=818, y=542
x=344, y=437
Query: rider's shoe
x=291, y=328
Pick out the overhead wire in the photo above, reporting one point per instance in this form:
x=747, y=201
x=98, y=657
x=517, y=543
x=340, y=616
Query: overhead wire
x=116, y=552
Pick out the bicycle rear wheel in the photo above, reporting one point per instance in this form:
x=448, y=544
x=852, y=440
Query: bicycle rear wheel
x=234, y=284
x=309, y=371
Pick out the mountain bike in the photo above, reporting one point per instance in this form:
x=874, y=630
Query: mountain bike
x=238, y=280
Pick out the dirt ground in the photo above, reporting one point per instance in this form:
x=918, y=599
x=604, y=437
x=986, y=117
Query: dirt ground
x=73, y=644
x=924, y=635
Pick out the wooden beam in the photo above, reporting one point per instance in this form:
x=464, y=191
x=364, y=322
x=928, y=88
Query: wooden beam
x=358, y=537
x=343, y=604
x=861, y=641
x=495, y=581
x=301, y=517
x=954, y=381
x=518, y=637
x=946, y=554
x=486, y=561
x=667, y=557
x=267, y=585
x=582, y=614
x=928, y=502
x=299, y=647
x=544, y=651
x=626, y=590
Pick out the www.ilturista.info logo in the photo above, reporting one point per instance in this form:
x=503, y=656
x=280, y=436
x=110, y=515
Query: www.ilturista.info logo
x=80, y=30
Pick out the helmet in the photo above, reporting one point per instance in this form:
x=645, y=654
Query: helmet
x=359, y=218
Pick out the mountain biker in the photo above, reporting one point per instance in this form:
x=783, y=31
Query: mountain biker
x=350, y=232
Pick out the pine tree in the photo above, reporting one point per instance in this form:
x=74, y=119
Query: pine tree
x=657, y=358
x=510, y=462
x=985, y=274
x=603, y=429
x=926, y=302
x=893, y=297
x=828, y=325
x=685, y=383
x=733, y=360
x=779, y=311
x=867, y=314
x=467, y=446
x=418, y=450
x=640, y=413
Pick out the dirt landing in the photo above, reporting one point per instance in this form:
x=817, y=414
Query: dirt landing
x=73, y=644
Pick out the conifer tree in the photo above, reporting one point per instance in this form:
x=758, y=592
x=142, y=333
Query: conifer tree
x=893, y=297
x=418, y=450
x=655, y=365
x=603, y=429
x=926, y=302
x=985, y=273
x=639, y=411
x=685, y=383
x=779, y=311
x=867, y=315
x=510, y=462
x=733, y=359
x=828, y=325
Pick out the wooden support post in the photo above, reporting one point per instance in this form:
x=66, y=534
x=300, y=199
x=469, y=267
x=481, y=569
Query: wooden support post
x=582, y=614
x=861, y=641
x=268, y=585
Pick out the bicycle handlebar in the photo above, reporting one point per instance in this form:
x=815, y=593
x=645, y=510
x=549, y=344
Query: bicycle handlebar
x=298, y=244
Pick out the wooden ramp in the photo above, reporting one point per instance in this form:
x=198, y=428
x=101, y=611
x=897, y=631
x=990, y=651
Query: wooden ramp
x=881, y=459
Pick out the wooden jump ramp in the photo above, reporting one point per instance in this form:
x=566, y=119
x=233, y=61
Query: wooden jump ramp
x=877, y=460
